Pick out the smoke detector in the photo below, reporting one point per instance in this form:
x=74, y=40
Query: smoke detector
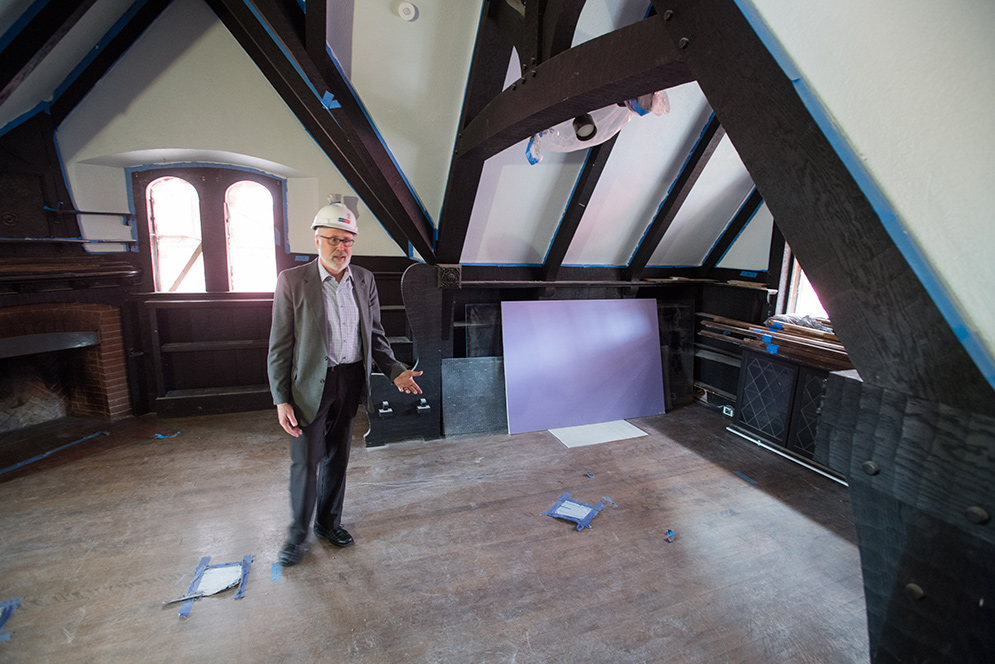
x=407, y=11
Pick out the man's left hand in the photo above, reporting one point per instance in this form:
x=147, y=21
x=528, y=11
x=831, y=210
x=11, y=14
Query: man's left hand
x=406, y=382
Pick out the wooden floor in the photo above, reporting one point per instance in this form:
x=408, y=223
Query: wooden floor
x=453, y=560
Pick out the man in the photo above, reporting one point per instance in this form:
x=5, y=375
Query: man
x=325, y=337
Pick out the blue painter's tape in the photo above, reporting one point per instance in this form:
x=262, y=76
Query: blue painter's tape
x=246, y=565
x=745, y=273
x=376, y=130
x=329, y=101
x=751, y=481
x=913, y=253
x=776, y=326
x=6, y=610
x=275, y=572
x=172, y=435
x=45, y=454
x=21, y=23
x=197, y=576
x=772, y=348
x=572, y=510
x=767, y=339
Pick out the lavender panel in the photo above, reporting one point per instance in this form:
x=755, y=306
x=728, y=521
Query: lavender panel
x=574, y=362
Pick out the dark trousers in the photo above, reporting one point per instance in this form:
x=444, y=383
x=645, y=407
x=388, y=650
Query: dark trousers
x=320, y=455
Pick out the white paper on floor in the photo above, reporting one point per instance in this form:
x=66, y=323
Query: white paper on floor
x=592, y=434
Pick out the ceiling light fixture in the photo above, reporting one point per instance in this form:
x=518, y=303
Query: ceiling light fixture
x=584, y=127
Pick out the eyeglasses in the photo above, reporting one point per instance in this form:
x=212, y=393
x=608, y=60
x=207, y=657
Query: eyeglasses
x=336, y=241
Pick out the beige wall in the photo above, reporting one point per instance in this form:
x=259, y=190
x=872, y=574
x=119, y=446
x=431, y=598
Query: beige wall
x=910, y=87
x=187, y=92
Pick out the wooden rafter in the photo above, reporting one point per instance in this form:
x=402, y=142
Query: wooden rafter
x=315, y=39
x=617, y=66
x=597, y=157
x=732, y=231
x=491, y=53
x=895, y=333
x=539, y=30
x=114, y=46
x=36, y=40
x=709, y=140
x=271, y=37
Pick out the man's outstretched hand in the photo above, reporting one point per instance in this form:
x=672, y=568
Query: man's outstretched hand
x=406, y=382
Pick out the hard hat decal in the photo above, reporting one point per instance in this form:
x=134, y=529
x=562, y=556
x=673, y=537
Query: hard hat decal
x=336, y=215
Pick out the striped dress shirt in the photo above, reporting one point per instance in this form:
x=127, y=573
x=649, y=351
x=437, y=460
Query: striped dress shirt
x=341, y=318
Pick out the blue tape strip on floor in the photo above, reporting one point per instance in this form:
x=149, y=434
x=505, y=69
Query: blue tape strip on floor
x=197, y=575
x=6, y=610
x=745, y=477
x=45, y=454
x=275, y=570
x=246, y=564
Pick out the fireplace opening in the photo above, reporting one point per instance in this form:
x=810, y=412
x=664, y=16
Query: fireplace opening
x=41, y=387
x=61, y=360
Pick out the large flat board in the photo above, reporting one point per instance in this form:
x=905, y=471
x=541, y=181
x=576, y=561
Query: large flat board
x=575, y=362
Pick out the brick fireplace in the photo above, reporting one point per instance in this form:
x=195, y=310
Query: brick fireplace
x=89, y=376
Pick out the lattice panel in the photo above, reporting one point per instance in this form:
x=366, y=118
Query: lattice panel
x=766, y=397
x=810, y=404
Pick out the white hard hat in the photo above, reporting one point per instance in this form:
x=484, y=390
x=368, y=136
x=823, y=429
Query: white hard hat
x=336, y=215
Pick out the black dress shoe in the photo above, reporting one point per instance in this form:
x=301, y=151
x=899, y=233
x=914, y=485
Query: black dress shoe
x=339, y=537
x=291, y=554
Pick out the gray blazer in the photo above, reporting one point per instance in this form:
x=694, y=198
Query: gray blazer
x=297, y=346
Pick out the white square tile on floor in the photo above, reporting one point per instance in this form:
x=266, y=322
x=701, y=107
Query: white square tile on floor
x=593, y=434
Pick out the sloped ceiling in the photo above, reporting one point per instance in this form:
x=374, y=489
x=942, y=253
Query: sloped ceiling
x=392, y=102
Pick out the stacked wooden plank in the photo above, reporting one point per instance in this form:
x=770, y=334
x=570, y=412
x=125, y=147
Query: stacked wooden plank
x=795, y=342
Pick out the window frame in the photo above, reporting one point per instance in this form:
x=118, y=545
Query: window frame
x=211, y=184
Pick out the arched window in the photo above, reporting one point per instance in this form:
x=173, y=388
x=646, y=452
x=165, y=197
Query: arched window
x=175, y=237
x=210, y=229
x=249, y=217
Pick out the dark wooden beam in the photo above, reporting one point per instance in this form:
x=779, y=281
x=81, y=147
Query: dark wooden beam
x=732, y=231
x=597, y=157
x=538, y=30
x=407, y=212
x=894, y=332
x=488, y=66
x=709, y=140
x=315, y=28
x=617, y=66
x=302, y=84
x=559, y=23
x=36, y=40
x=114, y=46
